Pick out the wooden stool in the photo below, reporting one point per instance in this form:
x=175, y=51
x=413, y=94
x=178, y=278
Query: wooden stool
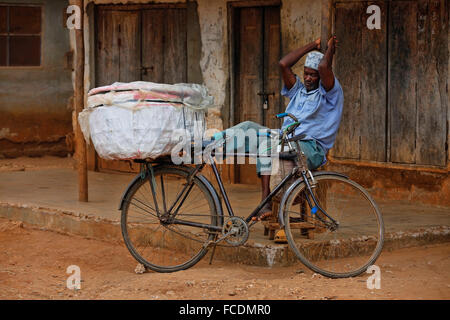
x=272, y=225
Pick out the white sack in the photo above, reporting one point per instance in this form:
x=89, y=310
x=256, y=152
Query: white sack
x=146, y=132
x=132, y=124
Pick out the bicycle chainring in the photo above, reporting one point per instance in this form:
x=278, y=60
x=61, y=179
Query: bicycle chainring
x=235, y=231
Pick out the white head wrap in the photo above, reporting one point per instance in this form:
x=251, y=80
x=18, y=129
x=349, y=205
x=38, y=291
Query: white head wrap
x=313, y=59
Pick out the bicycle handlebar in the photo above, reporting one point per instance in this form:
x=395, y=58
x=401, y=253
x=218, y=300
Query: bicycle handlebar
x=285, y=114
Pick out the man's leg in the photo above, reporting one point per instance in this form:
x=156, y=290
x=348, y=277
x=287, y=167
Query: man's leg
x=262, y=167
x=265, y=186
x=313, y=152
x=264, y=170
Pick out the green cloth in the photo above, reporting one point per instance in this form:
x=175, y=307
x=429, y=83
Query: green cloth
x=312, y=150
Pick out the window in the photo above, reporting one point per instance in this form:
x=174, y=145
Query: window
x=20, y=35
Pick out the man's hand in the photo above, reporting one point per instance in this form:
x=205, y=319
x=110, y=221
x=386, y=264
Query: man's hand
x=291, y=58
x=317, y=42
x=332, y=43
x=325, y=70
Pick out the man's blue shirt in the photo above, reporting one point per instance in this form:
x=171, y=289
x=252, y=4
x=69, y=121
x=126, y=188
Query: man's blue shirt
x=318, y=111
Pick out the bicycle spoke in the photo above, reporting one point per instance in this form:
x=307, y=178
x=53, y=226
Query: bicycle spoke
x=143, y=208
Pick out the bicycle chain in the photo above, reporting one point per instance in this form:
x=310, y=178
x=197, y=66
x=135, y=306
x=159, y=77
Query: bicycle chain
x=208, y=243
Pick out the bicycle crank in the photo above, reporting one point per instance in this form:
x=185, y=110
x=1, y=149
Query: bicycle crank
x=235, y=231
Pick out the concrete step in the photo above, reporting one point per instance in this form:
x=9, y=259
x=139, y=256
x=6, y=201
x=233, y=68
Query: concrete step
x=258, y=250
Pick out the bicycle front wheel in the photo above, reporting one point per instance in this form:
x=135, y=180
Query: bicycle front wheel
x=336, y=251
x=149, y=231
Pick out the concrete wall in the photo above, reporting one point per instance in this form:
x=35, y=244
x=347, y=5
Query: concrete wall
x=34, y=118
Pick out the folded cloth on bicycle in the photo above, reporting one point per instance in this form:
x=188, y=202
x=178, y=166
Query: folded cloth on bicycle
x=192, y=95
x=248, y=138
x=254, y=139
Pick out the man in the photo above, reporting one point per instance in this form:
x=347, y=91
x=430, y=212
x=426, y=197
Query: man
x=317, y=103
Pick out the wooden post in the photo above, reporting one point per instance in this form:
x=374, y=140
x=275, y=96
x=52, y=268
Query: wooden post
x=80, y=143
x=327, y=24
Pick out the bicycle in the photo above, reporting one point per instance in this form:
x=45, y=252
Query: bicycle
x=169, y=208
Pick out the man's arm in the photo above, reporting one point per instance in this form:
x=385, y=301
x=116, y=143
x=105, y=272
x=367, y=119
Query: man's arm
x=291, y=58
x=325, y=65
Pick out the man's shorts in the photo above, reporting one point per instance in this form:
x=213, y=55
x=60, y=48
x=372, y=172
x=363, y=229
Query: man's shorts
x=312, y=150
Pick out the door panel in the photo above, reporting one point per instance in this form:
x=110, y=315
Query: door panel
x=129, y=46
x=250, y=79
x=251, y=65
x=257, y=32
x=272, y=77
x=373, y=89
x=153, y=23
x=432, y=65
x=175, y=50
x=348, y=71
x=403, y=80
x=107, y=48
x=164, y=54
x=120, y=56
x=118, y=47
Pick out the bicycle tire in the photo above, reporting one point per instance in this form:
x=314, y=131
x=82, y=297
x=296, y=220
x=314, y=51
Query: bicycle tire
x=347, y=251
x=184, y=247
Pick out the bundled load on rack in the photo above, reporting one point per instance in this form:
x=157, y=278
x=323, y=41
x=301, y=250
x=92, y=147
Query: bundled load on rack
x=137, y=120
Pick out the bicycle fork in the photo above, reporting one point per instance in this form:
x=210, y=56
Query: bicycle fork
x=314, y=205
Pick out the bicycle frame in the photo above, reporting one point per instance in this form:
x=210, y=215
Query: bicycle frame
x=300, y=211
x=181, y=197
x=271, y=195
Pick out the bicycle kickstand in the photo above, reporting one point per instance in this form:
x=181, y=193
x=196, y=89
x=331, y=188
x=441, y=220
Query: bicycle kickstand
x=212, y=253
x=214, y=244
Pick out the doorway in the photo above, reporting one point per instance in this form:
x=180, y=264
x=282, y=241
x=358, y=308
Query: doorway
x=139, y=43
x=256, y=50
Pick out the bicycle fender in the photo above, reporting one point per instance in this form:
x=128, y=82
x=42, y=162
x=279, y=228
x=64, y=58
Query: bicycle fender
x=294, y=185
x=215, y=196
x=330, y=173
x=122, y=200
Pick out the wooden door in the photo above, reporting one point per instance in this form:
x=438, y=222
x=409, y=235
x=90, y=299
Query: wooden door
x=432, y=86
x=257, y=52
x=141, y=43
x=118, y=47
x=164, y=51
x=361, y=69
x=394, y=81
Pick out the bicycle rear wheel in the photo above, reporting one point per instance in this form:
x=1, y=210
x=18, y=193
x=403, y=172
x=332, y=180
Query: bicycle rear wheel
x=346, y=251
x=148, y=232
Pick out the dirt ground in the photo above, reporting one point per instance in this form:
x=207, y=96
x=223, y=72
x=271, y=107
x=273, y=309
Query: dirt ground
x=33, y=265
x=35, y=163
